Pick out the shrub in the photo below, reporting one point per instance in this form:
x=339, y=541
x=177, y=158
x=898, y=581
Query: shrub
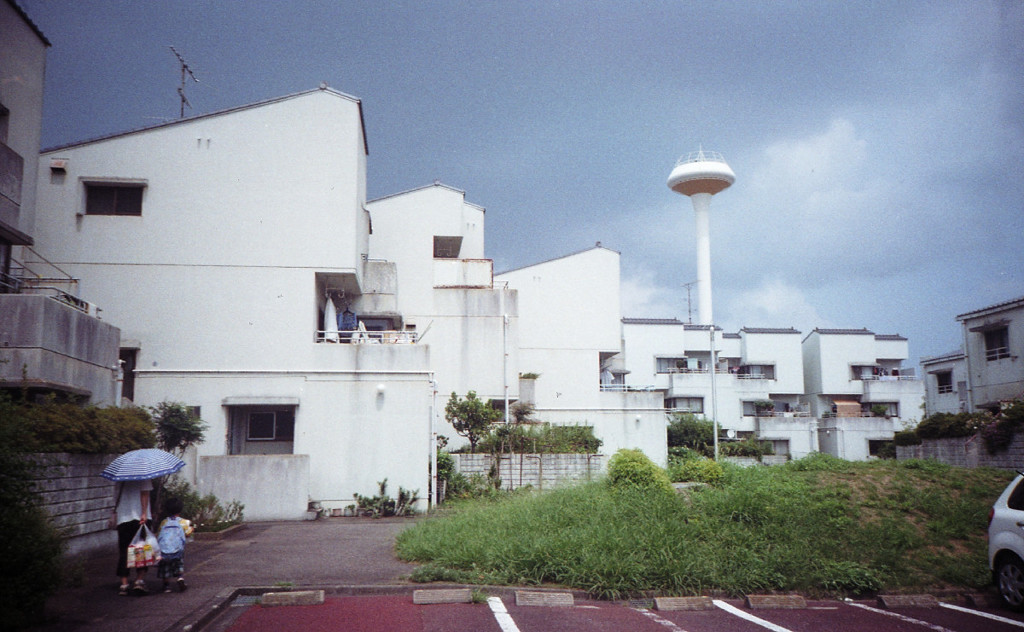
x=948, y=425
x=383, y=505
x=688, y=431
x=750, y=447
x=907, y=437
x=31, y=548
x=61, y=427
x=700, y=470
x=543, y=439
x=632, y=470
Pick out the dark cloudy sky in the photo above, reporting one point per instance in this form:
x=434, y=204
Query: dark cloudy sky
x=878, y=146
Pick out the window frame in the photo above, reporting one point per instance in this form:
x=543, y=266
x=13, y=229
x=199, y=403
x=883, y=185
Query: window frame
x=944, y=386
x=95, y=185
x=281, y=429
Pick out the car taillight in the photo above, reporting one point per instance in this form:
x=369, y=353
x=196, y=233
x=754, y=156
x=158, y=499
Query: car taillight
x=991, y=514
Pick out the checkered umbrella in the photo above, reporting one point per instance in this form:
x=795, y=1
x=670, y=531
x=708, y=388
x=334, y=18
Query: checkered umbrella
x=140, y=465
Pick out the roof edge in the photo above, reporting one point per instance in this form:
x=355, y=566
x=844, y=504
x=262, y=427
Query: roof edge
x=238, y=108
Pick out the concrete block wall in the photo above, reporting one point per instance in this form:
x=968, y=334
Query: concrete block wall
x=77, y=498
x=966, y=452
x=542, y=471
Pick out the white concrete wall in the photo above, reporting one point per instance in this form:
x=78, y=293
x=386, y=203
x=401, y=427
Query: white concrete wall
x=847, y=438
x=949, y=402
x=22, y=70
x=999, y=379
x=782, y=350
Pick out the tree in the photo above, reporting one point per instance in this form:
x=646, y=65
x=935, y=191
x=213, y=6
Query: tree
x=177, y=428
x=471, y=417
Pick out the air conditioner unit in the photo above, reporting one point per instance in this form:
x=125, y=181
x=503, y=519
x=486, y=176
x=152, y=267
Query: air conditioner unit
x=92, y=309
x=58, y=164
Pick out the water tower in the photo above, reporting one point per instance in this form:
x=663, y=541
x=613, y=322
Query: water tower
x=700, y=175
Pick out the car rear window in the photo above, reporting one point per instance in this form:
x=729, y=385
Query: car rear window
x=1016, y=499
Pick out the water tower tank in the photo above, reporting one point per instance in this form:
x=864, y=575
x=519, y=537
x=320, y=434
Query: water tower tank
x=701, y=172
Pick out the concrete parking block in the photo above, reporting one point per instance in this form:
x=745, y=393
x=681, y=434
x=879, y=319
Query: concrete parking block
x=294, y=598
x=907, y=601
x=538, y=598
x=442, y=595
x=774, y=602
x=683, y=603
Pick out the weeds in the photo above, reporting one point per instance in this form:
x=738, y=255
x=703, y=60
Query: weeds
x=820, y=525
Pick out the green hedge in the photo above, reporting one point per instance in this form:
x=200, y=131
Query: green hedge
x=632, y=470
x=55, y=427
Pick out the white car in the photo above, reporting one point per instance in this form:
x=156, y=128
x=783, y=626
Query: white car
x=1006, y=544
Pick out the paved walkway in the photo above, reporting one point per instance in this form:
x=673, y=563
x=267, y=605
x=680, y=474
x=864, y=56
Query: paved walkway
x=350, y=552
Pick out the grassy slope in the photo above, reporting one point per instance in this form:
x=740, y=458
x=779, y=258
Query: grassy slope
x=819, y=526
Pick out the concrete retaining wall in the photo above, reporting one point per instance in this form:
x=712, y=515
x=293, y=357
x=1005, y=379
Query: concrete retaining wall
x=77, y=497
x=966, y=452
x=272, y=487
x=542, y=471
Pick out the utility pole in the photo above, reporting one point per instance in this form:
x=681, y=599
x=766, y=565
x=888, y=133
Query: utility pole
x=181, y=89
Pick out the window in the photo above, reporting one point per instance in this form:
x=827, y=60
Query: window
x=671, y=365
x=447, y=247
x=113, y=199
x=271, y=426
x=686, y=404
x=944, y=380
x=997, y=344
x=128, y=359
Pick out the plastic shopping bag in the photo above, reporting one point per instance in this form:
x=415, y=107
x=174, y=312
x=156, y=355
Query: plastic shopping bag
x=144, y=550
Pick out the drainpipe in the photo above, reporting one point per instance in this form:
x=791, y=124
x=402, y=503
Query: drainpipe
x=967, y=364
x=435, y=492
x=714, y=397
x=504, y=348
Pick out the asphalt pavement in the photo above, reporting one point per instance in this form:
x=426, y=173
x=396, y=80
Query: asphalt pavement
x=344, y=555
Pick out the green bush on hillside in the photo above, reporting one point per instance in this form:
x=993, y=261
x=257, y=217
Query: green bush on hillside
x=632, y=470
x=540, y=439
x=699, y=470
x=948, y=425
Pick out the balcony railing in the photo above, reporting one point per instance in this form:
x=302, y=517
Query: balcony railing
x=622, y=388
x=367, y=337
x=37, y=275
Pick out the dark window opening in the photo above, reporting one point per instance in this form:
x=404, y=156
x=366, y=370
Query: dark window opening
x=447, y=247
x=997, y=344
x=113, y=199
x=128, y=359
x=944, y=382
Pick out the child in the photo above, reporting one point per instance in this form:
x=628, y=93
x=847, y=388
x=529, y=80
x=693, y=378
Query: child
x=174, y=531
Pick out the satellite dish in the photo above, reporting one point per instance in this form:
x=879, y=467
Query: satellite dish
x=730, y=433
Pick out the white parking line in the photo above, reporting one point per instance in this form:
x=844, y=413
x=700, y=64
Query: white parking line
x=930, y=626
x=665, y=622
x=749, y=617
x=501, y=615
x=994, y=617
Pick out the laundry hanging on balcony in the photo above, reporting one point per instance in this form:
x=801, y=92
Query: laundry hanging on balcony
x=330, y=322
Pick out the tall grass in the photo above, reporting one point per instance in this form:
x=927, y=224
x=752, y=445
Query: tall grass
x=819, y=526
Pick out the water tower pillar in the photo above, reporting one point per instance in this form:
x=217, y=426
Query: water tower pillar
x=701, y=210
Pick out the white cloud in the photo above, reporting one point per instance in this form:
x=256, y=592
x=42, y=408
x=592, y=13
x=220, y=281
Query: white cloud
x=642, y=297
x=772, y=304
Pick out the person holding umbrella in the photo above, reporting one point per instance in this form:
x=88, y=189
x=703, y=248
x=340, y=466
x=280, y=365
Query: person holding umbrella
x=134, y=472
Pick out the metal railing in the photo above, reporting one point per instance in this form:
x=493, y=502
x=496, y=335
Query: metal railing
x=38, y=275
x=367, y=337
x=700, y=156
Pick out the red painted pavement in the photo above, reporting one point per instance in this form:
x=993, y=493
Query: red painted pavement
x=371, y=613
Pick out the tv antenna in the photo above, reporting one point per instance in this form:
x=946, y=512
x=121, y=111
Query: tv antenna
x=689, y=311
x=181, y=89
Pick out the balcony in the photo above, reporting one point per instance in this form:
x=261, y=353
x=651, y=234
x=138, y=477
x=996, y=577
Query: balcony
x=364, y=337
x=463, y=273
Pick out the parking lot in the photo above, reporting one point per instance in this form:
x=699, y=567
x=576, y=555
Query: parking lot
x=391, y=613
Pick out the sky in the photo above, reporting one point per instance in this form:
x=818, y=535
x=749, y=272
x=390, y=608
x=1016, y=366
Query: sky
x=878, y=146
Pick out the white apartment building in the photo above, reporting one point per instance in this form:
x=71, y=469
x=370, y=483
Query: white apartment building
x=945, y=383
x=994, y=340
x=855, y=382
x=319, y=334
x=755, y=389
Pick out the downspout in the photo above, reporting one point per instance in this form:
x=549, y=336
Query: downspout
x=435, y=492
x=967, y=363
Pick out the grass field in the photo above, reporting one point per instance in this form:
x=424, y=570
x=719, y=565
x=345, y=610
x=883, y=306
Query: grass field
x=819, y=526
